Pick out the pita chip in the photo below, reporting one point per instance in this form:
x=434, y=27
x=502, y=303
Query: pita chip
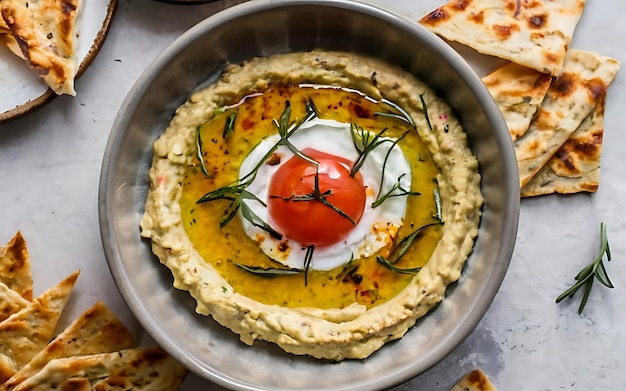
x=535, y=34
x=46, y=34
x=518, y=92
x=570, y=98
x=29, y=330
x=575, y=167
x=147, y=369
x=15, y=269
x=4, y=29
x=10, y=302
x=97, y=330
x=476, y=380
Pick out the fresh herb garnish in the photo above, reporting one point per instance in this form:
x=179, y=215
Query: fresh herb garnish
x=236, y=190
x=364, y=143
x=253, y=218
x=595, y=270
x=437, y=197
x=199, y=153
x=229, y=126
x=270, y=272
x=425, y=109
x=317, y=195
x=383, y=261
x=397, y=186
x=382, y=175
x=308, y=257
x=402, y=116
x=399, y=249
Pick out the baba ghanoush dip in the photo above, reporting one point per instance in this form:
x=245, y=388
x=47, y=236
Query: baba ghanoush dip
x=322, y=201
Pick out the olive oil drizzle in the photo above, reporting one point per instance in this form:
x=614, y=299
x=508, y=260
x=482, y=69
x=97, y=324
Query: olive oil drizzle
x=356, y=273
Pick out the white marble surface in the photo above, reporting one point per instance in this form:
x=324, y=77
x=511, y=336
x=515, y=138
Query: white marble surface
x=50, y=165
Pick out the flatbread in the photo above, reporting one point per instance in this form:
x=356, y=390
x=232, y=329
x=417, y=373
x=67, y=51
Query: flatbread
x=570, y=98
x=3, y=25
x=15, y=269
x=10, y=302
x=97, y=330
x=575, y=167
x=535, y=34
x=148, y=369
x=46, y=33
x=476, y=380
x=28, y=331
x=518, y=92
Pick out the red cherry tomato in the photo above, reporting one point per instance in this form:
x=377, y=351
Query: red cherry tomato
x=311, y=222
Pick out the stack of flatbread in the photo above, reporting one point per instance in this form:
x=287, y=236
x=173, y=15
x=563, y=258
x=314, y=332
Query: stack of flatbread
x=552, y=97
x=93, y=353
x=44, y=33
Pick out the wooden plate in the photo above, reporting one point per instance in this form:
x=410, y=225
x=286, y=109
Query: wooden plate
x=21, y=91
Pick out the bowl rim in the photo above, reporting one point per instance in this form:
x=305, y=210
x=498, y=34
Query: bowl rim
x=456, y=61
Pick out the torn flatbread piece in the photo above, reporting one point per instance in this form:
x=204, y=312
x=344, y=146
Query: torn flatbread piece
x=148, y=369
x=535, y=34
x=28, y=331
x=518, y=92
x=15, y=268
x=97, y=330
x=46, y=34
x=570, y=98
x=476, y=380
x=10, y=302
x=575, y=167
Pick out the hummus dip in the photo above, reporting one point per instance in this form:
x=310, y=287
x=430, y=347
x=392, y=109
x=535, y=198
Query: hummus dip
x=334, y=314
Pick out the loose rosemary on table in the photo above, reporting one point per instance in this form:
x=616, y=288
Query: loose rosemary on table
x=595, y=270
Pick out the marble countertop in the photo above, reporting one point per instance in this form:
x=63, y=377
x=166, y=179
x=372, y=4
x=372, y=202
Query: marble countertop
x=49, y=172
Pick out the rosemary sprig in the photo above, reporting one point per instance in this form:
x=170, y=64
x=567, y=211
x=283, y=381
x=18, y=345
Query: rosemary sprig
x=270, y=272
x=396, y=269
x=308, y=257
x=253, y=218
x=235, y=190
x=199, y=153
x=595, y=270
x=399, y=249
x=364, y=144
x=317, y=195
x=382, y=175
x=437, y=197
x=229, y=126
x=397, y=186
x=402, y=116
x=425, y=109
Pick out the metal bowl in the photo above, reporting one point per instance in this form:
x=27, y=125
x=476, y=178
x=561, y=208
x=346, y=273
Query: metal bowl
x=260, y=28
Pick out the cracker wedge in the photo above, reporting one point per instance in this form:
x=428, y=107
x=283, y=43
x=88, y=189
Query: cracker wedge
x=15, y=269
x=535, y=34
x=97, y=330
x=46, y=34
x=3, y=26
x=570, y=98
x=10, y=302
x=28, y=331
x=148, y=369
x=476, y=380
x=518, y=92
x=575, y=167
